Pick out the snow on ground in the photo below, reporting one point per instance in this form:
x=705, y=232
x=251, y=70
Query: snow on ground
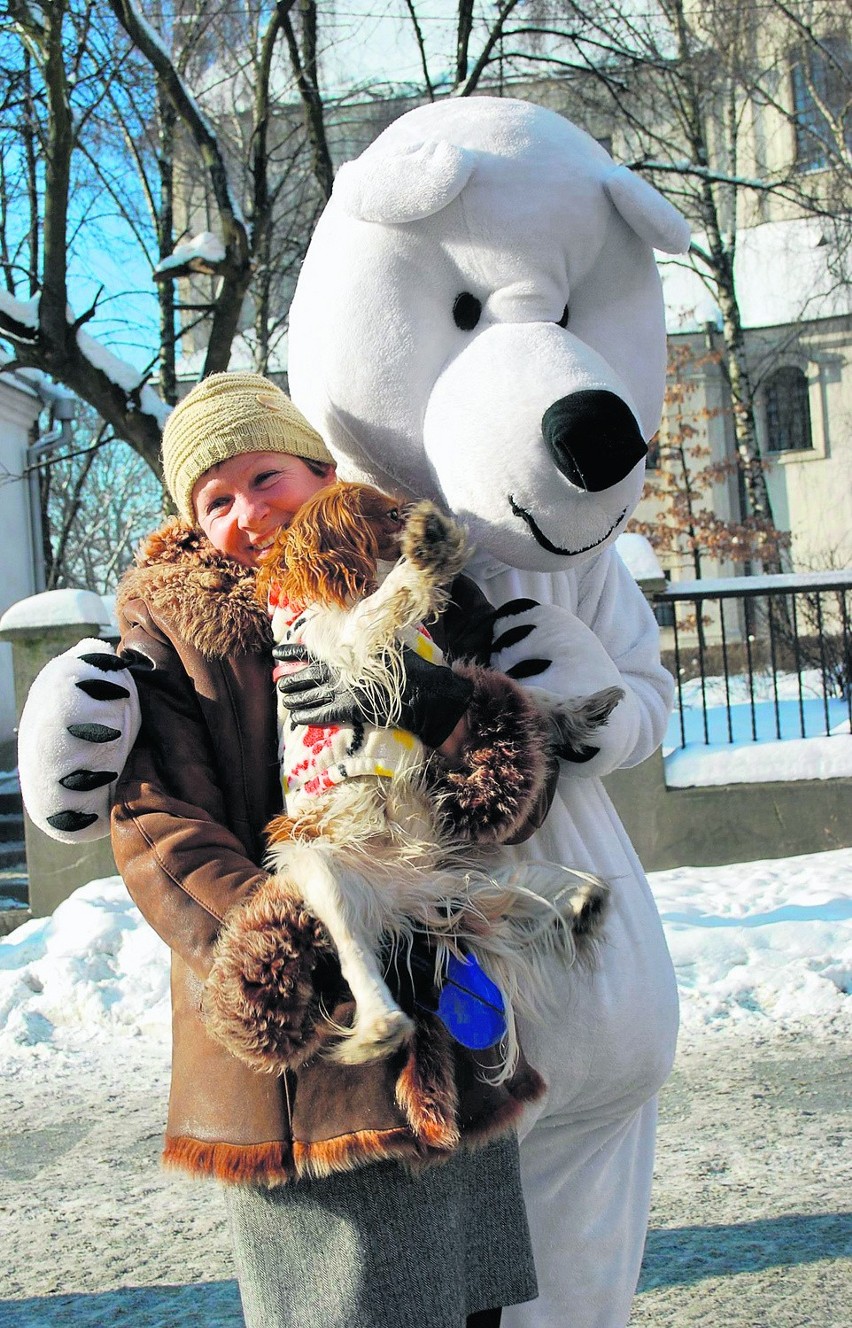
x=764, y=728
x=91, y=972
x=755, y=945
x=753, y=1170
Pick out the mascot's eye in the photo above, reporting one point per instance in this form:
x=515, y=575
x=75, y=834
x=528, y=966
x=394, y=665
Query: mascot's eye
x=563, y=321
x=393, y=514
x=467, y=311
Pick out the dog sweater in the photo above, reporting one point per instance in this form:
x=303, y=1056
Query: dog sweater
x=313, y=758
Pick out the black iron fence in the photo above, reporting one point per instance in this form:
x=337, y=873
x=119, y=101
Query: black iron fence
x=760, y=658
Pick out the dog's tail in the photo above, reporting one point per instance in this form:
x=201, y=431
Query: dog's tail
x=525, y=925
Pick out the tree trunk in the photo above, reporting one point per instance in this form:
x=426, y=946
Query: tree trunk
x=167, y=117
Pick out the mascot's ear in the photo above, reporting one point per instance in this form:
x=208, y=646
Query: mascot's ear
x=412, y=182
x=654, y=219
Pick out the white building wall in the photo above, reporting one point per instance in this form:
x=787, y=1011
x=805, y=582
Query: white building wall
x=19, y=408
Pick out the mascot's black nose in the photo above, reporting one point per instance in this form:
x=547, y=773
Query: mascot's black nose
x=593, y=438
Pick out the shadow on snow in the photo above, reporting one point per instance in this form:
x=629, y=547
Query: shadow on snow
x=679, y=1256
x=216, y=1304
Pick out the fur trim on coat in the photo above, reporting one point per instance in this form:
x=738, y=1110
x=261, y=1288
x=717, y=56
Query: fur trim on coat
x=254, y=1100
x=207, y=598
x=260, y=1000
x=493, y=789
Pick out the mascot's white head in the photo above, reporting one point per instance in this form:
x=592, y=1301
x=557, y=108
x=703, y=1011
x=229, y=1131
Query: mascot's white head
x=479, y=320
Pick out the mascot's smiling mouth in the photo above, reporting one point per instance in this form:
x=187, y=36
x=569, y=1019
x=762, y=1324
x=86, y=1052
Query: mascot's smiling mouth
x=545, y=543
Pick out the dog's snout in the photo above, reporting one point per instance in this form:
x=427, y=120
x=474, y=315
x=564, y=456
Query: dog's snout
x=593, y=438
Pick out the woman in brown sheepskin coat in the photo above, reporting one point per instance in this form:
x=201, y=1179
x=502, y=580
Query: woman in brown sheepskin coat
x=340, y=1215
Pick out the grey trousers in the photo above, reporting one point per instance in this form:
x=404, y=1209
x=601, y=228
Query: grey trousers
x=380, y=1248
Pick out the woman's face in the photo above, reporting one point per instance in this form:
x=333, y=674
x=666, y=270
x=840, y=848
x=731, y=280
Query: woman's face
x=242, y=503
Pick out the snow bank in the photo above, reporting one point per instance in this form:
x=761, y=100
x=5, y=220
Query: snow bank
x=760, y=762
x=772, y=729
x=761, y=946
x=757, y=947
x=92, y=970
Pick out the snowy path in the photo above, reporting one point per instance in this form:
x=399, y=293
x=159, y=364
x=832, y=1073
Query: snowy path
x=751, y=1224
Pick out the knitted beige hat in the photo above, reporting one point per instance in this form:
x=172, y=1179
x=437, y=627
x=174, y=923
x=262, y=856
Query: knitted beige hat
x=224, y=415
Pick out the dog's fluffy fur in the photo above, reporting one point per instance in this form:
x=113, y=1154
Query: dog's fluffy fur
x=375, y=857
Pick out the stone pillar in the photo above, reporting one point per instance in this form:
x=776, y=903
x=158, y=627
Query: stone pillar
x=38, y=629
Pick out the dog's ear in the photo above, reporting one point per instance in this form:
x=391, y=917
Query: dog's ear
x=332, y=547
x=272, y=570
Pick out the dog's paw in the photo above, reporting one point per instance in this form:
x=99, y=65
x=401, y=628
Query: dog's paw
x=372, y=1039
x=575, y=725
x=433, y=542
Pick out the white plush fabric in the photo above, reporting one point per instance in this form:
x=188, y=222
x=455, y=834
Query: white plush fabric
x=48, y=752
x=528, y=215
x=405, y=397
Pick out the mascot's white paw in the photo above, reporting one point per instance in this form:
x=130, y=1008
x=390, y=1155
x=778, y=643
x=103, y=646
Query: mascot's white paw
x=77, y=728
x=549, y=650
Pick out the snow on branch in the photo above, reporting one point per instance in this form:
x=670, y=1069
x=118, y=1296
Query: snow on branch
x=19, y=323
x=130, y=380
x=18, y=318
x=205, y=254
x=687, y=167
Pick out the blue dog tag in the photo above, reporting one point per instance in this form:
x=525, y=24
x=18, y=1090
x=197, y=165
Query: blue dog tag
x=470, y=1005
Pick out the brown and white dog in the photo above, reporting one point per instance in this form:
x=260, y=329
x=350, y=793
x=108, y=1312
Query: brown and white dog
x=365, y=841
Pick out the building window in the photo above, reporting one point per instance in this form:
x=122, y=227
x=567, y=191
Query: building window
x=788, y=412
x=821, y=75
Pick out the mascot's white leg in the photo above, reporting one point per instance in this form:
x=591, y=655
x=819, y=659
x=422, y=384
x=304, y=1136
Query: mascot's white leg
x=588, y=1254
x=587, y=1149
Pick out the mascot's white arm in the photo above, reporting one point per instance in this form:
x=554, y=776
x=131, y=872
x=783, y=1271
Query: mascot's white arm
x=611, y=641
x=76, y=731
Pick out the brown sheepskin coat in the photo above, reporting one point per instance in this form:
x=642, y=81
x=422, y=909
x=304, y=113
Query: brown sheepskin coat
x=261, y=1104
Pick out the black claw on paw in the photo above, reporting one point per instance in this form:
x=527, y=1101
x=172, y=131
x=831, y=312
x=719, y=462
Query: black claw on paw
x=515, y=606
x=512, y=636
x=578, y=755
x=70, y=821
x=83, y=781
x=529, y=668
x=106, y=663
x=94, y=732
x=101, y=690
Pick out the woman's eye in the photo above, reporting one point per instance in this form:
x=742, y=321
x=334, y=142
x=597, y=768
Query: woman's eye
x=265, y=475
x=467, y=311
x=563, y=321
x=216, y=505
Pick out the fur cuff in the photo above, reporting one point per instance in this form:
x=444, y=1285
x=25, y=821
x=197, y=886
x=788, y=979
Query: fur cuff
x=489, y=794
x=260, y=1001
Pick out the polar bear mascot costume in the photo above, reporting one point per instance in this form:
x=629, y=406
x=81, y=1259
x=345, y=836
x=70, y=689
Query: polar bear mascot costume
x=479, y=321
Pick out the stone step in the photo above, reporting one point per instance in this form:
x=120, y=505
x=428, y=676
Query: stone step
x=11, y=827
x=13, y=855
x=10, y=802
x=14, y=898
x=12, y=918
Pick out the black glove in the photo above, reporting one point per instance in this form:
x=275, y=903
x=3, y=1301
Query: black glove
x=433, y=697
